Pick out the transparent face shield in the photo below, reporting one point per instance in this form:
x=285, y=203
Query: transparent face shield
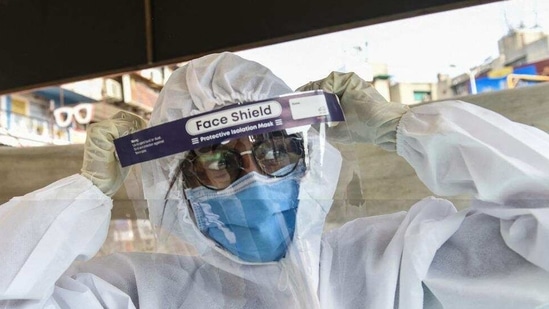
x=247, y=189
x=245, y=180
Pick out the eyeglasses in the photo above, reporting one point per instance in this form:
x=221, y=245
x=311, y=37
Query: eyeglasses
x=216, y=167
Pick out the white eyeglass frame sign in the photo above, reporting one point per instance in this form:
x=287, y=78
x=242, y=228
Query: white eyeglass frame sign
x=73, y=112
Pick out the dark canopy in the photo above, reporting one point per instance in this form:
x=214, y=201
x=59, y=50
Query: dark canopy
x=46, y=42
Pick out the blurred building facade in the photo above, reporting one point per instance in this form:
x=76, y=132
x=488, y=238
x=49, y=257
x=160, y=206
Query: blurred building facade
x=523, y=60
x=59, y=115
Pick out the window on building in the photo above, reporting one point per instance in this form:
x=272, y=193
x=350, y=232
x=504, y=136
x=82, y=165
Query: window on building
x=422, y=96
x=19, y=106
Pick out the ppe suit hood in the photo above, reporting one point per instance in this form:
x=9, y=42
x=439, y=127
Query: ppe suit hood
x=206, y=84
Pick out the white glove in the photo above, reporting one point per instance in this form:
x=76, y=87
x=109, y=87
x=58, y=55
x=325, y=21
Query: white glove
x=100, y=164
x=369, y=117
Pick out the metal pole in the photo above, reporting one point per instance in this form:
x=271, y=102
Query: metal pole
x=472, y=82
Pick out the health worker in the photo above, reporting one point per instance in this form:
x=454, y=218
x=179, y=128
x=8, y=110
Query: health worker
x=248, y=212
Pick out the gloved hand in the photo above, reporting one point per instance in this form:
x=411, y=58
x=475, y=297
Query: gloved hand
x=100, y=163
x=369, y=117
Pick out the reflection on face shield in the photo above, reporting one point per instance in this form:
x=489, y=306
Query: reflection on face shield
x=275, y=154
x=244, y=193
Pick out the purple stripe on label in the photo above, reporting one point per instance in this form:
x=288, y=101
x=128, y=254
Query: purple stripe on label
x=229, y=122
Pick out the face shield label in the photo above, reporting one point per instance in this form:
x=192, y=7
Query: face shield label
x=230, y=122
x=240, y=115
x=307, y=107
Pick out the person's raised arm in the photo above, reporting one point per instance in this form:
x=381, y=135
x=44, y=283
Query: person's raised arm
x=100, y=164
x=455, y=147
x=369, y=117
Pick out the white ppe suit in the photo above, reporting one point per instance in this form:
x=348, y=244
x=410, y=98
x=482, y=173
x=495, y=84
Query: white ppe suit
x=493, y=255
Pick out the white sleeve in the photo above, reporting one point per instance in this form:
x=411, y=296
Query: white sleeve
x=459, y=148
x=45, y=231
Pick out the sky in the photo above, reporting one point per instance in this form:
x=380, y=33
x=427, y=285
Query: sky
x=414, y=49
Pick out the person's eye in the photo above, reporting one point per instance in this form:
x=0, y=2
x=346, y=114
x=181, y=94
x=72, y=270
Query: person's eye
x=217, y=161
x=217, y=165
x=273, y=154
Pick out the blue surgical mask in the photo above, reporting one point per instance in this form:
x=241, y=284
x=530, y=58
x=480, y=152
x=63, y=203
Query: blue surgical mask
x=254, y=218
